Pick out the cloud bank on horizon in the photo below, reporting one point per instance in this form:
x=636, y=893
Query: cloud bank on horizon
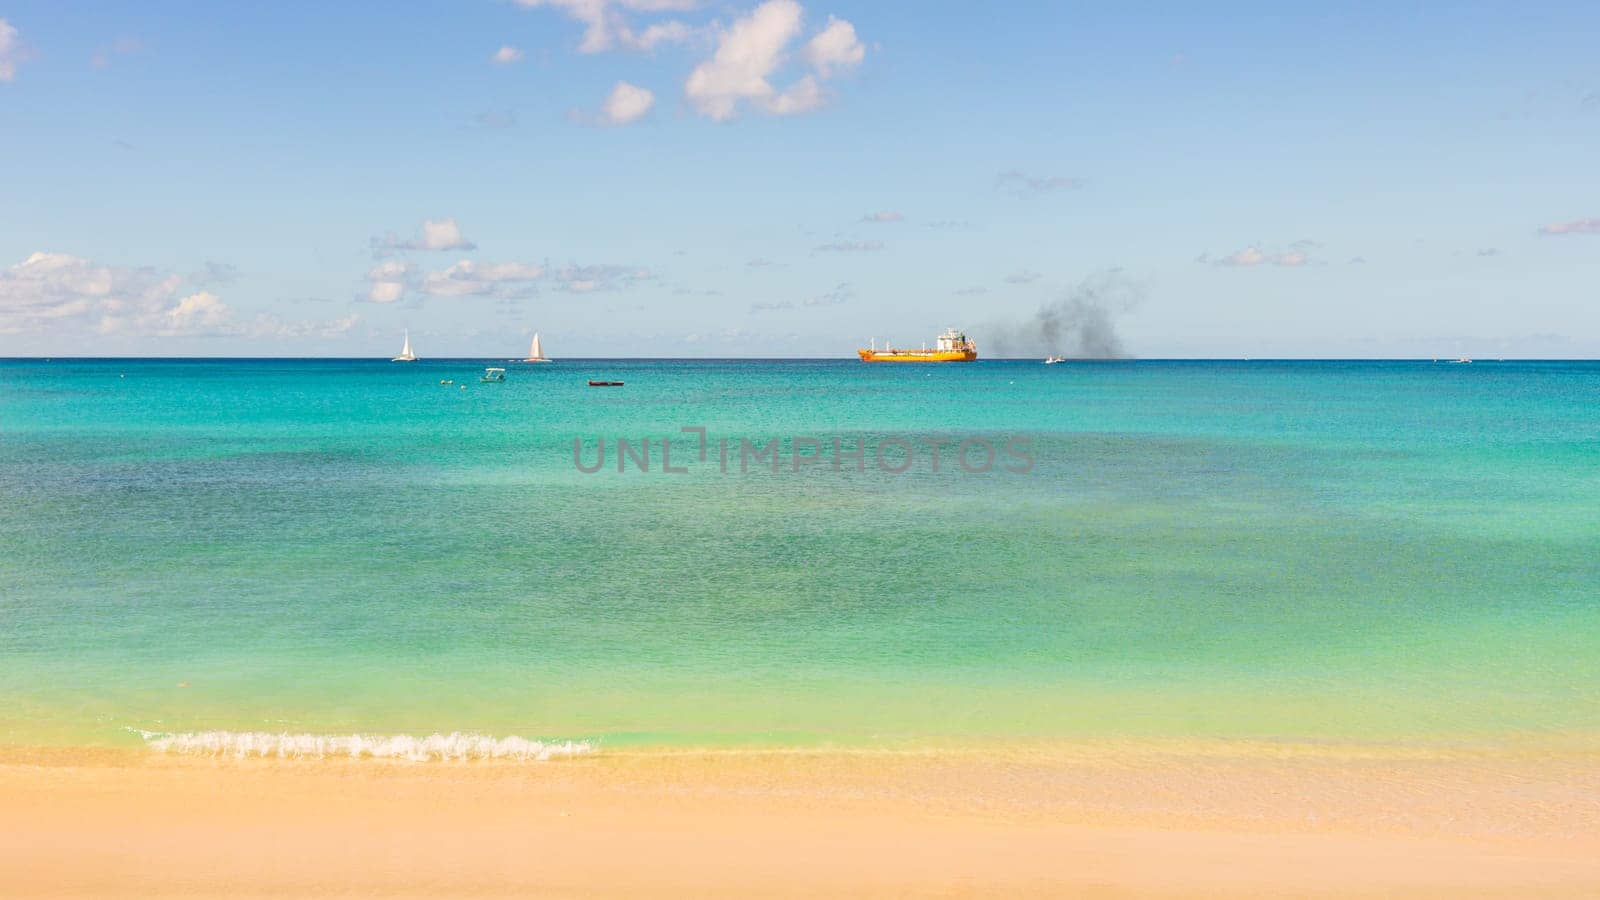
x=50, y=289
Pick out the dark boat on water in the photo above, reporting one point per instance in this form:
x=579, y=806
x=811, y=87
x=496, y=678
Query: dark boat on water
x=605, y=384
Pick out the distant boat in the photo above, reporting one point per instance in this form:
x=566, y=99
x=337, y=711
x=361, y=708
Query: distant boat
x=493, y=373
x=405, y=352
x=952, y=346
x=536, y=352
x=605, y=384
x=1462, y=360
x=1052, y=360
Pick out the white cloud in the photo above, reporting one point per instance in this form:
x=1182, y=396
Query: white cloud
x=673, y=32
x=50, y=287
x=754, y=48
x=386, y=291
x=471, y=278
x=835, y=48
x=1255, y=256
x=883, y=217
x=389, y=280
x=511, y=271
x=607, y=26
x=802, y=96
x=61, y=292
x=341, y=325
x=440, y=234
x=1249, y=256
x=577, y=279
x=506, y=55
x=1023, y=277
x=11, y=54
x=627, y=103
x=1579, y=226
x=851, y=247
x=389, y=270
x=196, y=314
x=443, y=235
x=1023, y=184
x=747, y=54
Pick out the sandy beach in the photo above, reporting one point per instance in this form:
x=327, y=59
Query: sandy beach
x=1103, y=819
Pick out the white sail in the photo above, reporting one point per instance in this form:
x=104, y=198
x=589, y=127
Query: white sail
x=536, y=351
x=405, y=352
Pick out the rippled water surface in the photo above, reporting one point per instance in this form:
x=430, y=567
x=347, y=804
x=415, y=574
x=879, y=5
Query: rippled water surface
x=1323, y=550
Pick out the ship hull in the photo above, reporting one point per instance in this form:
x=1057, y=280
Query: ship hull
x=917, y=356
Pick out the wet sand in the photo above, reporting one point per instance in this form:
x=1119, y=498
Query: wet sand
x=1096, y=819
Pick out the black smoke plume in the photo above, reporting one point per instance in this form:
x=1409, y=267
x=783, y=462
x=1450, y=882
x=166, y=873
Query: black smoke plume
x=1080, y=325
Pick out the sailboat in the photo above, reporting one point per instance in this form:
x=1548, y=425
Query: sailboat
x=405, y=352
x=536, y=352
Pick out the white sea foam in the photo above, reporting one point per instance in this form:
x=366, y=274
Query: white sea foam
x=453, y=746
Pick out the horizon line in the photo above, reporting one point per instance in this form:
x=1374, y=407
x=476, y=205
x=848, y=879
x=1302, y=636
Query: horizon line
x=839, y=359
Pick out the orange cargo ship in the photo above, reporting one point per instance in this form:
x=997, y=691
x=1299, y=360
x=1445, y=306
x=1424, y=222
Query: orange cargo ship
x=952, y=346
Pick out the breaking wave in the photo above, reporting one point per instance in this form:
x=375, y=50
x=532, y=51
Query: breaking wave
x=453, y=746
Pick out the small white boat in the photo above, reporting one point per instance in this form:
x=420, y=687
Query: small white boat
x=1462, y=360
x=493, y=374
x=536, y=352
x=405, y=352
x=1052, y=360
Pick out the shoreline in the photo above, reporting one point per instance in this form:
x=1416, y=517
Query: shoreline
x=1109, y=817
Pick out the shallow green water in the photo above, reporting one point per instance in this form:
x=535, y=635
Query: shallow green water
x=1316, y=550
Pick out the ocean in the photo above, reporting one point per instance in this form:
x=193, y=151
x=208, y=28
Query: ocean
x=316, y=550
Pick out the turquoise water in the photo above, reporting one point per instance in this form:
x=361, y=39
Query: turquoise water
x=1322, y=550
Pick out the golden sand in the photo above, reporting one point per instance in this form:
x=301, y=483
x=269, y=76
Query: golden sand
x=1097, y=819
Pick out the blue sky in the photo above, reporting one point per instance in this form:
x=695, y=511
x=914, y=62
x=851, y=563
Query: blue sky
x=791, y=178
